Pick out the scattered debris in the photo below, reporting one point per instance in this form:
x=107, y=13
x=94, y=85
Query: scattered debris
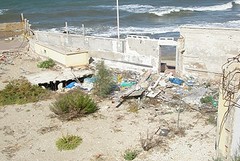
x=176, y=81
x=164, y=132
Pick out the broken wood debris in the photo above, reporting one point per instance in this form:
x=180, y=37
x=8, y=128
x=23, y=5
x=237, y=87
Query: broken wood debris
x=135, y=90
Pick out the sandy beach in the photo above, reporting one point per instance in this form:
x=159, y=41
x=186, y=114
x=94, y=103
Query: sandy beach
x=29, y=131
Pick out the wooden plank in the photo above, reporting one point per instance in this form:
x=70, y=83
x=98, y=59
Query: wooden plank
x=133, y=91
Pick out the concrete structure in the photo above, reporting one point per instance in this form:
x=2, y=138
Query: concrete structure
x=228, y=129
x=60, y=54
x=53, y=76
x=202, y=51
x=136, y=50
x=55, y=80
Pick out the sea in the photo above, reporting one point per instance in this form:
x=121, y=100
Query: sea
x=153, y=18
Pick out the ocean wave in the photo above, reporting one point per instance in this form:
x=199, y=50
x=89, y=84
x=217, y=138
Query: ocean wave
x=222, y=7
x=228, y=24
x=137, y=8
x=71, y=29
x=112, y=31
x=160, y=11
x=237, y=1
x=2, y=11
x=136, y=31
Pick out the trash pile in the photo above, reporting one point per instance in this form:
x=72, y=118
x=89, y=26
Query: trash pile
x=163, y=87
x=86, y=85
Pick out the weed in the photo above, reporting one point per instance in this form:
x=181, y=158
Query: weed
x=236, y=158
x=73, y=104
x=133, y=107
x=68, y=142
x=20, y=92
x=217, y=159
x=180, y=132
x=104, y=81
x=130, y=154
x=150, y=141
x=207, y=99
x=46, y=64
x=212, y=119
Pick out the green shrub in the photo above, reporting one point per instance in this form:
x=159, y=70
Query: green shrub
x=130, y=154
x=20, y=92
x=68, y=142
x=73, y=104
x=104, y=81
x=212, y=119
x=46, y=64
x=217, y=159
x=236, y=158
x=207, y=99
x=133, y=107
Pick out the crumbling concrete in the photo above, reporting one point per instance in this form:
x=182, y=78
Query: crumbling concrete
x=228, y=136
x=201, y=52
x=132, y=50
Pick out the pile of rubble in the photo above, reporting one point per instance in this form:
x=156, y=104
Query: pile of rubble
x=163, y=87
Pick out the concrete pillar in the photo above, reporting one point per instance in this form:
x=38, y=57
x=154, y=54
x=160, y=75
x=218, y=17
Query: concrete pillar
x=179, y=54
x=159, y=59
x=228, y=127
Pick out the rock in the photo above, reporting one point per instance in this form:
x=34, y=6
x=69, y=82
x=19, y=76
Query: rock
x=164, y=132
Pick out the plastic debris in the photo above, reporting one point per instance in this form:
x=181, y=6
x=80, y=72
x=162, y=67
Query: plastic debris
x=127, y=84
x=89, y=80
x=176, y=81
x=71, y=85
x=190, y=82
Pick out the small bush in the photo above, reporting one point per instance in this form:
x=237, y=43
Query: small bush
x=217, y=159
x=212, y=119
x=130, y=154
x=207, y=99
x=20, y=92
x=73, y=104
x=104, y=81
x=46, y=64
x=150, y=141
x=68, y=142
x=133, y=107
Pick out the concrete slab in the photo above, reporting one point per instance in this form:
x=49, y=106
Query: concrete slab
x=47, y=76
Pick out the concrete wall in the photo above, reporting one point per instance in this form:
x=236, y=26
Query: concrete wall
x=143, y=51
x=202, y=51
x=62, y=56
x=137, y=51
x=78, y=41
x=235, y=143
x=228, y=135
